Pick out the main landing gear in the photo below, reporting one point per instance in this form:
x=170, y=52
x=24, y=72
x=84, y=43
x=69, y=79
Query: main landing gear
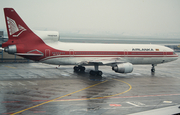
x=79, y=68
x=153, y=68
x=95, y=72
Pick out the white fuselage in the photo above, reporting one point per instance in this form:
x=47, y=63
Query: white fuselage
x=75, y=53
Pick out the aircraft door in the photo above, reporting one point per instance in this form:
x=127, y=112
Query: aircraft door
x=164, y=59
x=164, y=53
x=125, y=52
x=47, y=52
x=71, y=53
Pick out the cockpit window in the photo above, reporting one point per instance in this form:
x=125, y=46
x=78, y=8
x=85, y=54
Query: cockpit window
x=174, y=53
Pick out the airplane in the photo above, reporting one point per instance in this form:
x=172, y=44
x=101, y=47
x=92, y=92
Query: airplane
x=45, y=47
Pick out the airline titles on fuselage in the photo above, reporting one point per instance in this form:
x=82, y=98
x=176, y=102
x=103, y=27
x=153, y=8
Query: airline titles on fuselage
x=142, y=49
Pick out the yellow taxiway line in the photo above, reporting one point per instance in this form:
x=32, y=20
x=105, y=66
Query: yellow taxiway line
x=130, y=87
x=10, y=67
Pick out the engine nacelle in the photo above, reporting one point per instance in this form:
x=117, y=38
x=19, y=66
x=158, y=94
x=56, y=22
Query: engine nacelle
x=123, y=68
x=11, y=49
x=48, y=36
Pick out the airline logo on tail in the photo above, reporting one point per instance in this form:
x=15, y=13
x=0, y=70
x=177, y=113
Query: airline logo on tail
x=13, y=28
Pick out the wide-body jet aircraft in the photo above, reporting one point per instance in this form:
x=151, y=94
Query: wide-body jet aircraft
x=45, y=47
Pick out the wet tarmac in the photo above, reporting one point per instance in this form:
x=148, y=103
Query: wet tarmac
x=41, y=89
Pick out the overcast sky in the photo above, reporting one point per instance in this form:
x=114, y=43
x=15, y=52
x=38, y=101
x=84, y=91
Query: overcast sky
x=124, y=17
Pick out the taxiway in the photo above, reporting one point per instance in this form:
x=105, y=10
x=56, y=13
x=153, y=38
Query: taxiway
x=36, y=88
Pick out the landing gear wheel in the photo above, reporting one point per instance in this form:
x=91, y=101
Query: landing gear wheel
x=76, y=69
x=92, y=72
x=82, y=69
x=79, y=69
x=100, y=73
x=97, y=73
x=152, y=70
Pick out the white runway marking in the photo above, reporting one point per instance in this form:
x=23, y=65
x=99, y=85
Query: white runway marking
x=2, y=84
x=132, y=104
x=33, y=83
x=137, y=104
x=167, y=101
x=10, y=83
x=19, y=83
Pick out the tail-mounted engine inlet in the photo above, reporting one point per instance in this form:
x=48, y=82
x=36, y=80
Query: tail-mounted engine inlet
x=11, y=49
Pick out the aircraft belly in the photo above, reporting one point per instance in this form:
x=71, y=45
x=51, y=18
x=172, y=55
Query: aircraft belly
x=66, y=60
x=58, y=61
x=145, y=60
x=84, y=60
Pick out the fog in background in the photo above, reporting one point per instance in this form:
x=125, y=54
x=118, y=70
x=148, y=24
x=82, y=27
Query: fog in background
x=117, y=18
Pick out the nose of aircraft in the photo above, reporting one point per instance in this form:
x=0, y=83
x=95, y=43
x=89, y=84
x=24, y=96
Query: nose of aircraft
x=176, y=56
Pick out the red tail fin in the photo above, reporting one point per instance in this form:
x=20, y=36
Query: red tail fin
x=16, y=27
x=23, y=41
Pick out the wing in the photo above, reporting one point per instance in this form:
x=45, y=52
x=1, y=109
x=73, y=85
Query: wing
x=103, y=61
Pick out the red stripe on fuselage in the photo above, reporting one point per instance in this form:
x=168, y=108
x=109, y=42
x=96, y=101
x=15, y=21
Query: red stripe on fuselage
x=115, y=55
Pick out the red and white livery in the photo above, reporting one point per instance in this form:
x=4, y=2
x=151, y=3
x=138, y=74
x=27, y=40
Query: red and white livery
x=45, y=47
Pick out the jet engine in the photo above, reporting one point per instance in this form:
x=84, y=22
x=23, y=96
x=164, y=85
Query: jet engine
x=11, y=49
x=123, y=68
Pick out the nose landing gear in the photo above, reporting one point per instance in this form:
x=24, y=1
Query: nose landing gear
x=153, y=68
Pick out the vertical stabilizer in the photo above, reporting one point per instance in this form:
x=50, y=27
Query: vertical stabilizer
x=16, y=28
